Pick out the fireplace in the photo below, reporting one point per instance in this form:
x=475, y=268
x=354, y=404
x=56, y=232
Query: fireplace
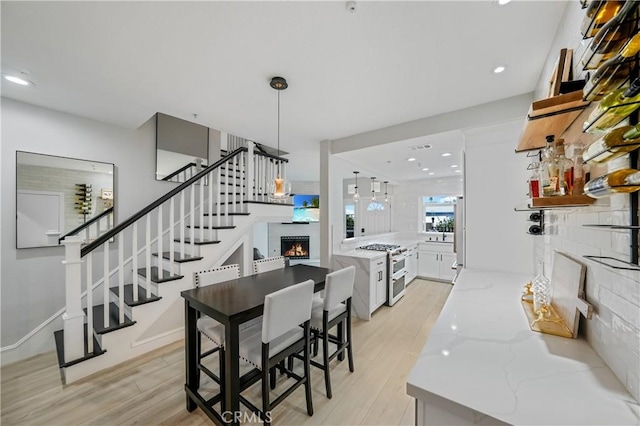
x=295, y=247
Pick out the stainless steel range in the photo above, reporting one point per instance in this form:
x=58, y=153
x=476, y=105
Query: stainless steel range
x=396, y=270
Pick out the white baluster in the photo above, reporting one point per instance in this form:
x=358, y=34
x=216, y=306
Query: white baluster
x=121, y=277
x=242, y=173
x=89, y=263
x=134, y=260
x=201, y=208
x=234, y=164
x=105, y=285
x=182, y=224
x=159, y=244
x=192, y=231
x=210, y=205
x=227, y=197
x=147, y=249
x=73, y=317
x=219, y=195
x=248, y=181
x=172, y=226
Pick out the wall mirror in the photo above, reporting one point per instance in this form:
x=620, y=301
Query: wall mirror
x=55, y=195
x=182, y=148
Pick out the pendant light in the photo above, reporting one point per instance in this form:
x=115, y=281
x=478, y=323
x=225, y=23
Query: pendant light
x=356, y=196
x=386, y=195
x=373, y=190
x=279, y=188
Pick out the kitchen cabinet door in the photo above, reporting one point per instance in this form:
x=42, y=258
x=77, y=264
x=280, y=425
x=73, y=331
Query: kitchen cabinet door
x=446, y=260
x=429, y=264
x=380, y=276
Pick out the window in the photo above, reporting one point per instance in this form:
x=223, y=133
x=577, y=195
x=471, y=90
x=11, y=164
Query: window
x=438, y=213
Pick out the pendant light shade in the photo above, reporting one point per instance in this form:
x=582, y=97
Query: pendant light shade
x=279, y=188
x=373, y=189
x=356, y=196
x=386, y=194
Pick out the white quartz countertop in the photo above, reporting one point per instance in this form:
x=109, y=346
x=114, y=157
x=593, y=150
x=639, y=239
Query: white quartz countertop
x=481, y=354
x=364, y=254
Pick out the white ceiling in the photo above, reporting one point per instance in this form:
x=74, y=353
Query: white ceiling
x=387, y=63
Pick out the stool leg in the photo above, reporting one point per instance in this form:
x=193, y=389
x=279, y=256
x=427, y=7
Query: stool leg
x=221, y=374
x=307, y=372
x=325, y=356
x=340, y=327
x=350, y=343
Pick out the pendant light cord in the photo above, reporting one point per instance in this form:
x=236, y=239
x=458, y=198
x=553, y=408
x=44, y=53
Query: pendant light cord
x=278, y=160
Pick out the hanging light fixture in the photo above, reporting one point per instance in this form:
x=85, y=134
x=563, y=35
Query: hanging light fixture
x=356, y=196
x=386, y=195
x=373, y=190
x=279, y=188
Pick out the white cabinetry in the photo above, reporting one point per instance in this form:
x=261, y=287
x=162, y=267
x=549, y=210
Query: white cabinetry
x=411, y=263
x=370, y=287
x=435, y=260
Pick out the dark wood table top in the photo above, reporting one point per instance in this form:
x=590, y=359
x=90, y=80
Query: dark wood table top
x=242, y=299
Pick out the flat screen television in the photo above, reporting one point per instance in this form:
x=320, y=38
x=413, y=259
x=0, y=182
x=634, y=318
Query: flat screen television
x=306, y=208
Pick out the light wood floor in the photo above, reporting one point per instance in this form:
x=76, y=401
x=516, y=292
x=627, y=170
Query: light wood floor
x=149, y=389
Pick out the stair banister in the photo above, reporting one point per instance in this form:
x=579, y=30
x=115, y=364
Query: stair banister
x=73, y=317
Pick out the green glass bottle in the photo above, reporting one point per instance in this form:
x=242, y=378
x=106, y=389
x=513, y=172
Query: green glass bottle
x=614, y=144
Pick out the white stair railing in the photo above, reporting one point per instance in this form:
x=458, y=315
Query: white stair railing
x=219, y=190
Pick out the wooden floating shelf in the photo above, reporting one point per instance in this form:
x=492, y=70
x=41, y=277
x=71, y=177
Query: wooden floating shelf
x=550, y=116
x=561, y=201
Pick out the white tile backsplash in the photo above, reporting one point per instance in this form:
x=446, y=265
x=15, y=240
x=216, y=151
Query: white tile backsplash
x=614, y=330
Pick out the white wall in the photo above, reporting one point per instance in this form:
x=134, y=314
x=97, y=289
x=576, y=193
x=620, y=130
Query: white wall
x=33, y=279
x=614, y=330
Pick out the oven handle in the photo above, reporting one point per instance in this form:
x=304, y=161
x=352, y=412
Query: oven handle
x=396, y=278
x=399, y=258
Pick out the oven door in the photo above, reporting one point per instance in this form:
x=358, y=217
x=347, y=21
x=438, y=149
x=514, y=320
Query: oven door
x=396, y=286
x=398, y=263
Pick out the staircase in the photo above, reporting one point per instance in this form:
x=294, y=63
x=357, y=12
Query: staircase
x=123, y=288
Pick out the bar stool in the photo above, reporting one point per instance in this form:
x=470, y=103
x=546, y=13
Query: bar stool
x=279, y=337
x=268, y=264
x=334, y=309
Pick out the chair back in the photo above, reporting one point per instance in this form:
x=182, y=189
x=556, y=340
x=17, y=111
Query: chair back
x=338, y=286
x=216, y=275
x=268, y=264
x=286, y=309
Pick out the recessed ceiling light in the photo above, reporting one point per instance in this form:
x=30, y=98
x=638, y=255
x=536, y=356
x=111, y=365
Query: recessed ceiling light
x=425, y=169
x=446, y=154
x=454, y=166
x=18, y=80
x=499, y=69
x=431, y=173
x=458, y=171
x=411, y=159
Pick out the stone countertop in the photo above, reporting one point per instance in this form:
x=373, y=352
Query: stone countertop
x=364, y=254
x=482, y=354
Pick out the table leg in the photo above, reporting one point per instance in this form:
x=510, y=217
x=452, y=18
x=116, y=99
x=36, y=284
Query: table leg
x=190, y=355
x=232, y=374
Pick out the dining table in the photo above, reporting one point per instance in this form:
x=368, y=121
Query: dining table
x=233, y=303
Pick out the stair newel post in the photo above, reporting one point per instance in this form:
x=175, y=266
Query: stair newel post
x=105, y=284
x=121, y=277
x=171, y=234
x=134, y=260
x=218, y=196
x=89, y=281
x=201, y=208
x=73, y=317
x=192, y=231
x=210, y=204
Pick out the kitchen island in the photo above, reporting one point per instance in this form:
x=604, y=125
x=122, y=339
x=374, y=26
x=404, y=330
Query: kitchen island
x=483, y=365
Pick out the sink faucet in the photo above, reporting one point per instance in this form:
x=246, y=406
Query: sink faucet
x=443, y=236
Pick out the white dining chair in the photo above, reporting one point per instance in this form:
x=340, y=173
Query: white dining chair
x=209, y=327
x=280, y=336
x=268, y=264
x=334, y=309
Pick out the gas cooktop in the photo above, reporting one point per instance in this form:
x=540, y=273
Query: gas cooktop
x=380, y=247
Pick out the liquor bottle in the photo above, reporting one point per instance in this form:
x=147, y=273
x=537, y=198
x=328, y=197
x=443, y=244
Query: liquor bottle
x=597, y=14
x=565, y=170
x=614, y=108
x=548, y=175
x=614, y=144
x=578, y=172
x=613, y=73
x=612, y=36
x=534, y=180
x=620, y=181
